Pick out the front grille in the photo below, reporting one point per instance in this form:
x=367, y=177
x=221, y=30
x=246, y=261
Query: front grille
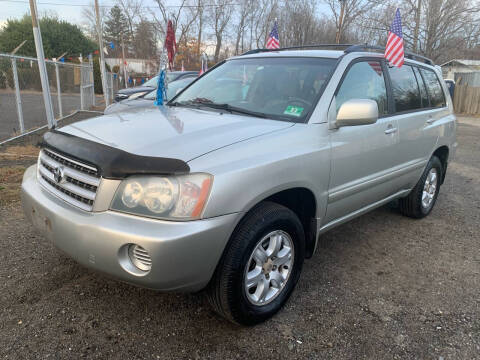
x=70, y=180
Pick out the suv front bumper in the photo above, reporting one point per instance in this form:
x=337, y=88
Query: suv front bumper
x=183, y=254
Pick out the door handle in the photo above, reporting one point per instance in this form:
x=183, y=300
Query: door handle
x=391, y=130
x=430, y=121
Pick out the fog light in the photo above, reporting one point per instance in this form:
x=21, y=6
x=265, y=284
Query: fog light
x=139, y=257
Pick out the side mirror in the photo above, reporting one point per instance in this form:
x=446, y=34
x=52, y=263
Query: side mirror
x=357, y=112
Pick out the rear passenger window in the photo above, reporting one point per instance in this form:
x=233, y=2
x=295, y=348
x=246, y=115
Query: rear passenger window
x=423, y=89
x=437, y=97
x=406, y=93
x=364, y=80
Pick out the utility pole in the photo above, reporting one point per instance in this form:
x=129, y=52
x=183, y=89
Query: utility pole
x=102, y=58
x=340, y=21
x=42, y=67
x=417, y=26
x=123, y=63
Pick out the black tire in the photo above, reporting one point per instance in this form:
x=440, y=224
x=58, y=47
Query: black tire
x=412, y=204
x=226, y=291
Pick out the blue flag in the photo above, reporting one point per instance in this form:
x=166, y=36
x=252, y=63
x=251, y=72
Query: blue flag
x=161, y=92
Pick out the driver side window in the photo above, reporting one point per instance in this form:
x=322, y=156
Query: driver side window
x=364, y=80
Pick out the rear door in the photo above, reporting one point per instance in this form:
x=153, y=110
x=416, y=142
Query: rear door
x=363, y=157
x=416, y=112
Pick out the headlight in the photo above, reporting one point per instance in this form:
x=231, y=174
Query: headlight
x=137, y=95
x=172, y=197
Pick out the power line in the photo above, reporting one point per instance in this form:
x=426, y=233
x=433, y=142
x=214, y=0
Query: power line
x=111, y=6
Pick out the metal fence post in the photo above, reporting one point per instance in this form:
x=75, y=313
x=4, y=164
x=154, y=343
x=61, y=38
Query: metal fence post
x=90, y=78
x=59, y=90
x=111, y=86
x=17, y=95
x=82, y=92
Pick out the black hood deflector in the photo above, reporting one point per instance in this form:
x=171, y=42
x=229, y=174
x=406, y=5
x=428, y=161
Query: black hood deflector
x=111, y=162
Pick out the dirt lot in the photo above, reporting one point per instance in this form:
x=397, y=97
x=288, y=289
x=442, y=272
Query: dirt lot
x=384, y=286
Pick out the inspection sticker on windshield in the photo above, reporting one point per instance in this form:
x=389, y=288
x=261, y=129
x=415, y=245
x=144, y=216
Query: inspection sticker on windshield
x=293, y=110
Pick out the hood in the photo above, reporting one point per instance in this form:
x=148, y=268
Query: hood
x=135, y=90
x=127, y=104
x=178, y=133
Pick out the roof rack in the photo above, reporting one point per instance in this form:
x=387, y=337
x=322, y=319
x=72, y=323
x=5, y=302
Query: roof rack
x=408, y=55
x=347, y=48
x=310, y=46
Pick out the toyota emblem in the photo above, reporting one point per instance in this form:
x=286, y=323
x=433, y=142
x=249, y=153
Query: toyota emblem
x=58, y=174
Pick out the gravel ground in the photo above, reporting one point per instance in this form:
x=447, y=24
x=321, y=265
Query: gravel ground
x=382, y=287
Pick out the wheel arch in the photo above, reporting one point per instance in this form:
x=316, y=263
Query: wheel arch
x=442, y=154
x=303, y=203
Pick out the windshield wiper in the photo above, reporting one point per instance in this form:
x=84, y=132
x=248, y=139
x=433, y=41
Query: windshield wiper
x=234, y=109
x=203, y=102
x=193, y=102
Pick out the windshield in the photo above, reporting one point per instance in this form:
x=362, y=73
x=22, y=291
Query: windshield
x=276, y=88
x=152, y=82
x=173, y=88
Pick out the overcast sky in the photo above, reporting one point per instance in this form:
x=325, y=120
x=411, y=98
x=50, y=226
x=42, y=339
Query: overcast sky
x=70, y=10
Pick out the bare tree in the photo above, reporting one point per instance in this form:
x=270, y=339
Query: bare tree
x=197, y=9
x=436, y=28
x=243, y=13
x=89, y=23
x=353, y=11
x=439, y=29
x=294, y=32
x=133, y=11
x=165, y=15
x=444, y=21
x=219, y=13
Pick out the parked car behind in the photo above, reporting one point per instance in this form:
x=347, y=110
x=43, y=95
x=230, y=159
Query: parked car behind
x=151, y=84
x=228, y=187
x=173, y=89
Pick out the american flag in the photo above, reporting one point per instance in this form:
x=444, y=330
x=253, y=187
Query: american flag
x=377, y=67
x=272, y=41
x=394, y=51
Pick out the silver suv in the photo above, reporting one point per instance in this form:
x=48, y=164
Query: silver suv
x=228, y=187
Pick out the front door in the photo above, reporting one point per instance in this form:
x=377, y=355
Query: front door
x=364, y=158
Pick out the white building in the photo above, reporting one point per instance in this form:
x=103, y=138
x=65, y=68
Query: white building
x=459, y=66
x=138, y=66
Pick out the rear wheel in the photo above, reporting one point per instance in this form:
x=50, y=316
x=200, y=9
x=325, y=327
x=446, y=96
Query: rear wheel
x=420, y=202
x=260, y=267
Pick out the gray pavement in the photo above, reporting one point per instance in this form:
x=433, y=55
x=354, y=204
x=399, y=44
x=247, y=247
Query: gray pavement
x=33, y=110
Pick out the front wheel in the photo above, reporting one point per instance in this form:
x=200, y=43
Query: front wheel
x=419, y=203
x=260, y=267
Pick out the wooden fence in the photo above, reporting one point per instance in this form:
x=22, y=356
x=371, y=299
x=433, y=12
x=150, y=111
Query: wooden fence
x=467, y=99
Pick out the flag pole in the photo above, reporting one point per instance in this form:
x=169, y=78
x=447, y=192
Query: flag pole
x=52, y=123
x=102, y=58
x=124, y=65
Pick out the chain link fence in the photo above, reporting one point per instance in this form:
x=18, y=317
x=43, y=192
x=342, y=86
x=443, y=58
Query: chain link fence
x=22, y=107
